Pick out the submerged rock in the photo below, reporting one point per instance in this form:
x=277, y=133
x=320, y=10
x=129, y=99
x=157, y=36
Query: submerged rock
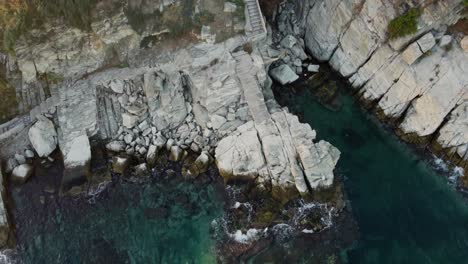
x=120, y=164
x=77, y=158
x=43, y=137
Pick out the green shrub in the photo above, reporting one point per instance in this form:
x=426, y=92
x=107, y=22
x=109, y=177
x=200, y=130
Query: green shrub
x=465, y=3
x=404, y=25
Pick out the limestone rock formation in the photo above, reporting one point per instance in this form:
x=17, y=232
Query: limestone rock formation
x=419, y=79
x=280, y=154
x=43, y=137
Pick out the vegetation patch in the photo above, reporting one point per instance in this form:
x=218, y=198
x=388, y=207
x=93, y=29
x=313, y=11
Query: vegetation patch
x=19, y=16
x=404, y=25
x=8, y=103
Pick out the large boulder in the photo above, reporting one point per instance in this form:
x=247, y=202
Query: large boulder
x=43, y=137
x=280, y=154
x=77, y=158
x=284, y=74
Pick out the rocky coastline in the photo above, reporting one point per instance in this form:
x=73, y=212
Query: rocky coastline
x=211, y=103
x=202, y=103
x=416, y=82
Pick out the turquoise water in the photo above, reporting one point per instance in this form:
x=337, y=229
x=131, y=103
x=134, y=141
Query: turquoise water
x=406, y=212
x=158, y=222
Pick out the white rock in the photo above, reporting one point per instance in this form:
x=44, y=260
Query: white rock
x=129, y=121
x=313, y=68
x=20, y=158
x=445, y=40
x=43, y=137
x=29, y=154
x=116, y=146
x=426, y=42
x=284, y=74
x=117, y=86
x=22, y=173
x=128, y=138
x=217, y=121
x=229, y=7
x=176, y=153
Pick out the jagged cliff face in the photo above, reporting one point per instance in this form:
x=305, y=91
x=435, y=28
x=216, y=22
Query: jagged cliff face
x=419, y=80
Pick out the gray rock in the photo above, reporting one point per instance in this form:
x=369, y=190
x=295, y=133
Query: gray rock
x=128, y=138
x=201, y=164
x=230, y=7
x=20, y=158
x=176, y=153
x=445, y=40
x=120, y=164
x=142, y=170
x=43, y=137
x=29, y=154
x=129, y=121
x=217, y=121
x=284, y=74
x=116, y=146
x=313, y=68
x=11, y=164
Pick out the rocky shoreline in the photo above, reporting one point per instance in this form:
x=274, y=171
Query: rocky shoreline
x=415, y=82
x=208, y=102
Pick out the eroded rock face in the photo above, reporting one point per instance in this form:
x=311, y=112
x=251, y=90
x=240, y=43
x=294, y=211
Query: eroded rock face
x=415, y=78
x=43, y=137
x=280, y=154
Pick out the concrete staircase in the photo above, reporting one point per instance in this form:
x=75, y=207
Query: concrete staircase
x=252, y=89
x=255, y=18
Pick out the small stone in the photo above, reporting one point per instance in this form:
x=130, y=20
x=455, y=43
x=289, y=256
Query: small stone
x=194, y=147
x=445, y=40
x=313, y=68
x=128, y=138
x=176, y=153
x=129, y=121
x=169, y=144
x=147, y=132
x=142, y=151
x=21, y=173
x=20, y=158
x=120, y=164
x=143, y=125
x=117, y=86
x=116, y=146
x=29, y=154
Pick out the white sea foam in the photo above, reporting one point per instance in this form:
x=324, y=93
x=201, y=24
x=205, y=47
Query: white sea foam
x=93, y=194
x=440, y=164
x=245, y=238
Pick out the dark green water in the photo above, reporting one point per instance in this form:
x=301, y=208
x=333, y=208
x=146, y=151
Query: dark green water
x=158, y=222
x=406, y=212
